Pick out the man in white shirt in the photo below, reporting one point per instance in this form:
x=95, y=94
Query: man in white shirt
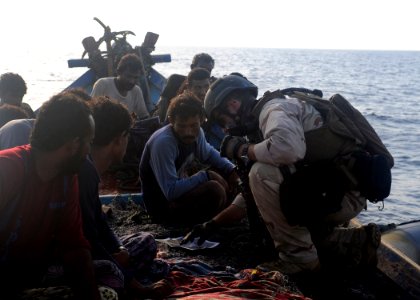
x=123, y=88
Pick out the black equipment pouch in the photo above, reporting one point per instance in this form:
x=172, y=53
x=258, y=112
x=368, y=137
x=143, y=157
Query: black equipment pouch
x=317, y=189
x=312, y=192
x=373, y=175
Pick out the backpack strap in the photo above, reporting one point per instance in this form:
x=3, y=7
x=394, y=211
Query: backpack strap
x=264, y=99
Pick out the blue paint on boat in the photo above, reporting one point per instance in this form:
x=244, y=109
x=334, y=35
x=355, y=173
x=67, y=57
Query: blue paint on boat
x=156, y=81
x=135, y=197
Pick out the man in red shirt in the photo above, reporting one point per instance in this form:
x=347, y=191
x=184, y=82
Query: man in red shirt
x=40, y=219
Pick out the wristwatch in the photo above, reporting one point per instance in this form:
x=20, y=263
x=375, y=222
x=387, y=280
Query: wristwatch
x=244, y=154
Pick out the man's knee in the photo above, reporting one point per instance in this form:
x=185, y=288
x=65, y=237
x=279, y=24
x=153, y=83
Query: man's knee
x=107, y=273
x=261, y=172
x=351, y=205
x=214, y=188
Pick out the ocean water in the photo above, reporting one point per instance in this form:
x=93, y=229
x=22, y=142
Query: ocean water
x=383, y=85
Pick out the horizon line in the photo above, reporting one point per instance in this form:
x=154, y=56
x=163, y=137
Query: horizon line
x=292, y=48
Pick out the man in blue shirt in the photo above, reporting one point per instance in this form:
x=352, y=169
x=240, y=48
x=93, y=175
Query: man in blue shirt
x=184, y=179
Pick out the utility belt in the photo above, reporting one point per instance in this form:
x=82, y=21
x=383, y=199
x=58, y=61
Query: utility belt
x=311, y=191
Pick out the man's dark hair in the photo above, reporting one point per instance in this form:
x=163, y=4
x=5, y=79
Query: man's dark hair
x=185, y=106
x=111, y=119
x=80, y=92
x=129, y=62
x=61, y=119
x=12, y=84
x=10, y=112
x=202, y=57
x=198, y=74
x=194, y=74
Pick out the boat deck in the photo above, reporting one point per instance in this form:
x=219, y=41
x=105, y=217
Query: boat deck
x=238, y=250
x=388, y=281
x=120, y=181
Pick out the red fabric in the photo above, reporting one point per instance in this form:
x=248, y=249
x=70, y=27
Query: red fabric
x=252, y=285
x=46, y=209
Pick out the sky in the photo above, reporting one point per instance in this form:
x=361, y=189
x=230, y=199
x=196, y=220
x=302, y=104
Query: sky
x=308, y=24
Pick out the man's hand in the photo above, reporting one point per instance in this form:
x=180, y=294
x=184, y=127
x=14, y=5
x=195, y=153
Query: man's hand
x=216, y=176
x=234, y=182
x=203, y=231
x=122, y=257
x=231, y=145
x=157, y=290
x=160, y=290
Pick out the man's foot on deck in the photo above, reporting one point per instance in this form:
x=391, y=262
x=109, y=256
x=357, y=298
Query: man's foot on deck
x=290, y=268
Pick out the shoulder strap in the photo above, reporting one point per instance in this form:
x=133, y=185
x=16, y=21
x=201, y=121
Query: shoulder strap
x=374, y=144
x=264, y=99
x=331, y=113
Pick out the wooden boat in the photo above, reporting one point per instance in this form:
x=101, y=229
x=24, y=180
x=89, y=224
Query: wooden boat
x=399, y=252
x=102, y=63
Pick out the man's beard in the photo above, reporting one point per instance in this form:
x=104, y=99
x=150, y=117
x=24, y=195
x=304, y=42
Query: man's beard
x=128, y=86
x=190, y=139
x=186, y=139
x=73, y=164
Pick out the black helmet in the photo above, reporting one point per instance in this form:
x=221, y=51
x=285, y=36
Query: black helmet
x=222, y=87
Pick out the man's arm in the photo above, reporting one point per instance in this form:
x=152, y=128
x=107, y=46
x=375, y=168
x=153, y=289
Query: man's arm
x=98, y=88
x=140, y=105
x=74, y=247
x=80, y=273
x=284, y=137
x=230, y=215
x=163, y=166
x=209, y=155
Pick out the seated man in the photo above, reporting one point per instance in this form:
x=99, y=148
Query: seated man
x=10, y=112
x=39, y=209
x=12, y=90
x=123, y=88
x=172, y=190
x=108, y=147
x=15, y=133
x=176, y=83
x=197, y=83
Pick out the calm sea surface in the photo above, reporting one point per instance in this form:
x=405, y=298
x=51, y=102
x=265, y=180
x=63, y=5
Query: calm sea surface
x=383, y=85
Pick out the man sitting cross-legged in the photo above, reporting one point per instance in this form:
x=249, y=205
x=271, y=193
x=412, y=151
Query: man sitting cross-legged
x=174, y=190
x=39, y=209
x=134, y=252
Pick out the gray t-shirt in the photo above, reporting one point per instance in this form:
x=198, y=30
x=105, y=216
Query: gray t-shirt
x=15, y=133
x=134, y=99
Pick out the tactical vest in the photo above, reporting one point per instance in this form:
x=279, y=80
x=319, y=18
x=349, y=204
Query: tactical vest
x=347, y=140
x=345, y=129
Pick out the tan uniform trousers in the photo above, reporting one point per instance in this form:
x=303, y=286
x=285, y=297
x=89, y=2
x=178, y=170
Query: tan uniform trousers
x=293, y=243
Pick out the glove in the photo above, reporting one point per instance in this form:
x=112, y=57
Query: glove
x=203, y=231
x=230, y=146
